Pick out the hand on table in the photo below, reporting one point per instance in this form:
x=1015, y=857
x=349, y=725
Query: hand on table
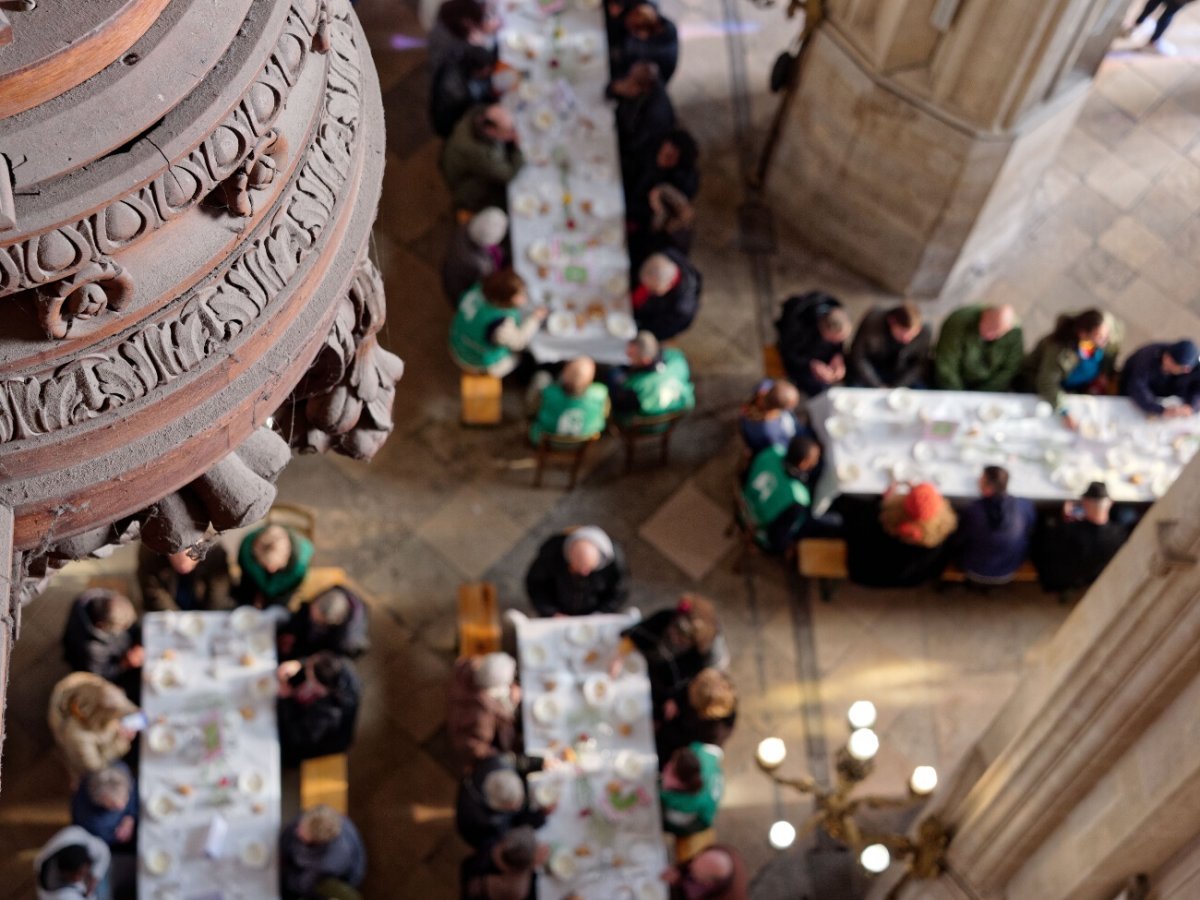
x=670, y=710
x=124, y=830
x=837, y=366
x=134, y=657
x=1176, y=412
x=1070, y=421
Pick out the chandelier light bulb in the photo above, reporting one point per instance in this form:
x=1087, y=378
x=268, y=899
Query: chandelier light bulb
x=771, y=753
x=924, y=779
x=782, y=835
x=875, y=858
x=863, y=744
x=861, y=714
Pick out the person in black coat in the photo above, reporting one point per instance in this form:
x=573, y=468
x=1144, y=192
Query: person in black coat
x=658, y=208
x=704, y=710
x=184, y=581
x=1158, y=371
x=646, y=36
x=1071, y=551
x=644, y=115
x=494, y=798
x=335, y=620
x=318, y=706
x=102, y=637
x=577, y=573
x=667, y=297
x=458, y=85
x=813, y=329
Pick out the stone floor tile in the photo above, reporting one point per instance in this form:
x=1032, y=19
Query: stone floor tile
x=470, y=531
x=689, y=530
x=1131, y=242
x=1131, y=92
x=1118, y=181
x=1102, y=273
x=1173, y=123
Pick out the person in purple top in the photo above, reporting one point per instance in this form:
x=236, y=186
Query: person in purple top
x=994, y=531
x=769, y=418
x=1158, y=371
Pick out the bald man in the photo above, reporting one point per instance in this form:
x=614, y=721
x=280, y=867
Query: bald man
x=577, y=573
x=715, y=873
x=980, y=349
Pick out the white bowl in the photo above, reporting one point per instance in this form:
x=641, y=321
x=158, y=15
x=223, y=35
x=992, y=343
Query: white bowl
x=536, y=655
x=161, y=739
x=634, y=664
x=251, y=782
x=1043, y=410
x=255, y=854
x=597, y=690
x=190, y=625
x=848, y=472
x=629, y=765
x=922, y=451
x=158, y=861
x=581, y=633
x=991, y=412
x=845, y=402
x=901, y=399
x=562, y=864
x=837, y=427
x=560, y=323
x=166, y=674
x=245, y=618
x=545, y=709
x=621, y=326
x=160, y=806
x=539, y=253
x=543, y=119
x=526, y=205
x=628, y=708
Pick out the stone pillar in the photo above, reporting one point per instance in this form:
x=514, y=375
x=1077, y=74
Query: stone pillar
x=1091, y=772
x=920, y=128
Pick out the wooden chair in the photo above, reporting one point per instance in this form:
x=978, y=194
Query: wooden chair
x=478, y=619
x=692, y=844
x=325, y=780
x=742, y=524
x=294, y=516
x=562, y=447
x=481, y=399
x=648, y=428
x=772, y=362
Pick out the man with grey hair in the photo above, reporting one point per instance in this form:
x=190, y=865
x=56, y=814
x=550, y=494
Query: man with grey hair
x=318, y=847
x=655, y=383
x=578, y=572
x=505, y=869
x=335, y=620
x=493, y=799
x=813, y=330
x=102, y=637
x=105, y=805
x=476, y=251
x=481, y=709
x=667, y=297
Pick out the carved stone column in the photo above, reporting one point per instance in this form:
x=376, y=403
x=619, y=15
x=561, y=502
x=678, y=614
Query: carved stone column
x=921, y=127
x=1091, y=773
x=192, y=193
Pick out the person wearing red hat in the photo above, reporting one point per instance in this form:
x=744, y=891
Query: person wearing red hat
x=901, y=540
x=921, y=517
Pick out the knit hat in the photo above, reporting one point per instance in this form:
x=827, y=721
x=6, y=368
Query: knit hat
x=597, y=537
x=1184, y=353
x=488, y=227
x=495, y=670
x=922, y=502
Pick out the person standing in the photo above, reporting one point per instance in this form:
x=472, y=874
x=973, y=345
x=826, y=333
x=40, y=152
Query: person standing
x=476, y=251
x=1170, y=8
x=577, y=573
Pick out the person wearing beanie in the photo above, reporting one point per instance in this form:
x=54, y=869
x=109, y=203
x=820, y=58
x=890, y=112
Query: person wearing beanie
x=577, y=573
x=921, y=516
x=481, y=710
x=1159, y=372
x=901, y=540
x=1072, y=550
x=476, y=251
x=993, y=534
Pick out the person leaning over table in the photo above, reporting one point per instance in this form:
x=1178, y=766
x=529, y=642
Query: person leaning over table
x=105, y=805
x=476, y=251
x=481, y=708
x=192, y=578
x=994, y=531
x=491, y=329
x=1072, y=550
x=274, y=560
x=575, y=405
x=493, y=799
x=692, y=786
x=715, y=873
x=980, y=348
x=655, y=383
x=102, y=637
x=648, y=36
x=336, y=620
x=776, y=494
x=667, y=297
x=85, y=717
x=481, y=157
x=505, y=869
x=320, y=844
x=813, y=329
x=769, y=418
x=705, y=711
x=890, y=348
x=579, y=572
x=72, y=865
x=317, y=707
x=1078, y=357
x=1162, y=371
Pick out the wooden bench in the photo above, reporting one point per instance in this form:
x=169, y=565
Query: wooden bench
x=478, y=619
x=481, y=399
x=772, y=362
x=324, y=780
x=692, y=844
x=824, y=559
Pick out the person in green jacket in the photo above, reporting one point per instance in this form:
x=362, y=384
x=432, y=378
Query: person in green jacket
x=655, y=383
x=274, y=560
x=489, y=331
x=775, y=492
x=481, y=157
x=692, y=785
x=979, y=349
x=1078, y=357
x=573, y=406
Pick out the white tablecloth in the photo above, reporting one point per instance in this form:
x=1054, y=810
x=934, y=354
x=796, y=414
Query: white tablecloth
x=601, y=848
x=209, y=689
x=947, y=437
x=567, y=206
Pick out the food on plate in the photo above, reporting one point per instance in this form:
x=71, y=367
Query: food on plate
x=184, y=790
x=258, y=808
x=583, y=851
x=625, y=729
x=255, y=854
x=169, y=653
x=248, y=713
x=247, y=660
x=1138, y=478
x=592, y=657
x=550, y=684
x=157, y=862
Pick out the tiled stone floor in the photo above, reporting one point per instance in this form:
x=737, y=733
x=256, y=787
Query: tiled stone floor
x=1114, y=221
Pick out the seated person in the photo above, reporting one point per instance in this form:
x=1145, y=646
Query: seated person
x=769, y=419
x=643, y=116
x=1078, y=357
x=335, y=620
x=670, y=226
x=692, y=785
x=274, y=561
x=491, y=330
x=656, y=382
x=458, y=85
x=890, y=348
x=715, y=873
x=105, y=805
x=320, y=843
x=667, y=297
x=901, y=540
x=813, y=329
x=1071, y=551
x=86, y=716
x=493, y=799
x=573, y=406
x=1161, y=371
x=776, y=493
x=460, y=24
x=675, y=165
x=979, y=349
x=504, y=870
x=481, y=710
x=577, y=573
x=192, y=578
x=72, y=865
x=678, y=643
x=481, y=157
x=648, y=37
x=705, y=711
x=318, y=706
x=994, y=531
x=102, y=637
x=476, y=251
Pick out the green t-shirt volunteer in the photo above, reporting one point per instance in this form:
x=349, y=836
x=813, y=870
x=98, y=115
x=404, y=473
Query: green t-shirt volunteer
x=469, y=331
x=560, y=413
x=769, y=491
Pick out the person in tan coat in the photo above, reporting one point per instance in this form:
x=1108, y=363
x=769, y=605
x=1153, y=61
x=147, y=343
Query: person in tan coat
x=85, y=718
x=481, y=712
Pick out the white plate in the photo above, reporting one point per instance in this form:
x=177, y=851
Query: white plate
x=536, y=655
x=264, y=686
x=526, y=205
x=160, y=806
x=845, y=402
x=251, y=782
x=244, y=618
x=540, y=253
x=543, y=119
x=161, y=739
x=629, y=765
x=562, y=864
x=157, y=862
x=545, y=709
x=262, y=642
x=560, y=323
x=837, y=427
x=991, y=412
x=903, y=470
x=255, y=854
x=529, y=91
x=628, y=708
x=166, y=674
x=597, y=690
x=901, y=399
x=546, y=792
x=617, y=286
x=634, y=664
x=190, y=625
x=848, y=471
x=621, y=326
x=1043, y=410
x=922, y=451
x=581, y=634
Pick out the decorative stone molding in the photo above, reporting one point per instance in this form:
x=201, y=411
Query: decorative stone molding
x=99, y=286
x=256, y=172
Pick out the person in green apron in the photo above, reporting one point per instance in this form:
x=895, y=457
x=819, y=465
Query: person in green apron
x=491, y=329
x=775, y=495
x=655, y=383
x=692, y=785
x=573, y=406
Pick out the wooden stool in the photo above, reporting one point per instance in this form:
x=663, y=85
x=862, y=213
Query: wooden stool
x=324, y=780
x=687, y=847
x=478, y=619
x=772, y=363
x=480, y=399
